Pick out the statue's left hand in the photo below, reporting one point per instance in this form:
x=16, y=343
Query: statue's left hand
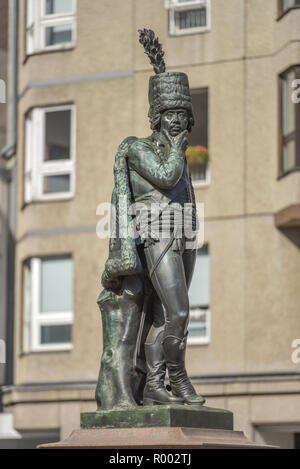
x=179, y=142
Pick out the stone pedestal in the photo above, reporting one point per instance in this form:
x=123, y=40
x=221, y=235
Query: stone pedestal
x=155, y=428
x=154, y=438
x=159, y=416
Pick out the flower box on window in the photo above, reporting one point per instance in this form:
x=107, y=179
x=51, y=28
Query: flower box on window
x=198, y=161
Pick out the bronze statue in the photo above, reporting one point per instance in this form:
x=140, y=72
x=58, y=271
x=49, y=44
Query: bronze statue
x=144, y=305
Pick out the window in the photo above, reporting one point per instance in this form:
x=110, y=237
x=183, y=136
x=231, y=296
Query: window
x=286, y=5
x=188, y=16
x=197, y=153
x=199, y=296
x=50, y=24
x=48, y=303
x=290, y=121
x=50, y=153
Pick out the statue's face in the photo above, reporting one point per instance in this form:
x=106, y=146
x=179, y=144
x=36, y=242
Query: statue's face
x=174, y=121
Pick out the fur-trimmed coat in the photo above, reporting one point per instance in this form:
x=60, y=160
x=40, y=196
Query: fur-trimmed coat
x=163, y=169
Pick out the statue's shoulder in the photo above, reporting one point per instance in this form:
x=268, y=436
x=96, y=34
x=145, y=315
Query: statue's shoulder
x=123, y=150
x=140, y=144
x=131, y=148
x=127, y=142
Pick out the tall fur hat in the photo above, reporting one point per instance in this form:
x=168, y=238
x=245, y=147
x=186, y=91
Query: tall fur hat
x=167, y=90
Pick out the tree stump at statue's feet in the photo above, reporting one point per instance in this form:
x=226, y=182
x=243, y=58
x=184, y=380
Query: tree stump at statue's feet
x=121, y=317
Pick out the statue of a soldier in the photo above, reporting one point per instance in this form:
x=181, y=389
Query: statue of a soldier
x=145, y=305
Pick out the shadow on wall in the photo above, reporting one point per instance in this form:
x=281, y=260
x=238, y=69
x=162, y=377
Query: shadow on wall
x=293, y=234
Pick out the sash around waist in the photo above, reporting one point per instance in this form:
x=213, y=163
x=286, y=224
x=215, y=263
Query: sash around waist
x=172, y=219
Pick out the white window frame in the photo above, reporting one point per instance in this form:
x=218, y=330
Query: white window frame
x=37, y=21
x=33, y=318
x=205, y=339
x=35, y=166
x=176, y=5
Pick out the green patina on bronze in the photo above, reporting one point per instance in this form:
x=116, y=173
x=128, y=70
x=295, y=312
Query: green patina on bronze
x=159, y=416
x=167, y=90
x=154, y=170
x=118, y=383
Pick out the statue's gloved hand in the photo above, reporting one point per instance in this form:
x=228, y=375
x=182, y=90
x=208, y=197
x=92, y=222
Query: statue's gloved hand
x=179, y=142
x=113, y=285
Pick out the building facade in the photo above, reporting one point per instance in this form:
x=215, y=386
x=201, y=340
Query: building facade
x=3, y=179
x=82, y=82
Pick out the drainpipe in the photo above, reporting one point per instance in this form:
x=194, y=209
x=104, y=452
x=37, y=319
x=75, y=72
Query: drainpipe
x=10, y=149
x=9, y=177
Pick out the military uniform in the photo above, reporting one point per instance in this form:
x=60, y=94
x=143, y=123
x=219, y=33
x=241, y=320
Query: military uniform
x=152, y=171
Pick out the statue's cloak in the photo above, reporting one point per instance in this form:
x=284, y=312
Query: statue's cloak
x=123, y=257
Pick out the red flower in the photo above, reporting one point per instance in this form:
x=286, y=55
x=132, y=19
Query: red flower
x=197, y=154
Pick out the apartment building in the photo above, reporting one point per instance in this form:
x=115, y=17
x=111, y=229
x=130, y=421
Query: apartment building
x=82, y=85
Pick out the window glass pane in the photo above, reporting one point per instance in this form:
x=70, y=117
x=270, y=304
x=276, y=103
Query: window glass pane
x=197, y=331
x=289, y=156
x=186, y=19
x=56, y=334
x=56, y=284
x=57, y=135
x=58, y=34
x=199, y=291
x=59, y=6
x=198, y=323
x=198, y=171
x=59, y=183
x=286, y=4
x=199, y=134
x=288, y=107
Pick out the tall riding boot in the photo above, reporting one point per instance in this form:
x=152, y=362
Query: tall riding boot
x=181, y=386
x=155, y=391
